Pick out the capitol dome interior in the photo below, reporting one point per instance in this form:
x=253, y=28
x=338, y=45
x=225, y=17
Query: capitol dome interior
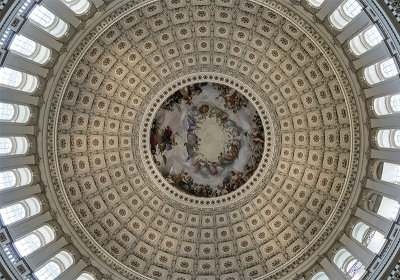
x=199, y=139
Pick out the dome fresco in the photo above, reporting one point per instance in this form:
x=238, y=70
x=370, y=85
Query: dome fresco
x=197, y=139
x=207, y=139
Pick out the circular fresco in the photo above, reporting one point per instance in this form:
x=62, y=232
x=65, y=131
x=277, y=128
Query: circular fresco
x=207, y=139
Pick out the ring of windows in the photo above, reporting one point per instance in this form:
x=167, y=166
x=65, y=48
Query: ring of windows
x=345, y=13
x=315, y=3
x=29, y=49
x=16, y=177
x=79, y=7
x=14, y=113
x=386, y=105
x=13, y=145
x=380, y=71
x=348, y=264
x=17, y=80
x=46, y=20
x=55, y=266
x=388, y=138
x=365, y=40
x=20, y=210
x=34, y=240
x=368, y=38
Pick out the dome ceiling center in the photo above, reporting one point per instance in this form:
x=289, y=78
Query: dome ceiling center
x=207, y=139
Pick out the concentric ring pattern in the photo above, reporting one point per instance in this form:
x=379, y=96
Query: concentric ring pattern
x=102, y=169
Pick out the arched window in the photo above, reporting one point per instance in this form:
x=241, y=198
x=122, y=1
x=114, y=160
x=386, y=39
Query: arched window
x=366, y=40
x=17, y=80
x=53, y=268
x=85, y=276
x=48, y=21
x=20, y=210
x=10, y=77
x=388, y=138
x=380, y=71
x=389, y=172
x=389, y=68
x=348, y=264
x=13, y=145
x=352, y=8
x=35, y=240
x=345, y=13
x=6, y=145
x=79, y=7
x=395, y=102
x=14, y=113
x=320, y=276
x=15, y=178
x=389, y=208
x=315, y=3
x=386, y=105
x=30, y=49
x=384, y=206
x=372, y=239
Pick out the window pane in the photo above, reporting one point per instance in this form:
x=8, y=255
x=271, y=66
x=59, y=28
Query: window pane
x=373, y=36
x=389, y=68
x=320, y=276
x=354, y=267
x=7, y=111
x=42, y=16
x=23, y=45
x=85, y=276
x=10, y=77
x=12, y=213
x=28, y=244
x=397, y=177
x=389, y=208
x=316, y=3
x=7, y=179
x=395, y=102
x=375, y=241
x=352, y=8
x=396, y=138
x=78, y=7
x=48, y=272
x=5, y=145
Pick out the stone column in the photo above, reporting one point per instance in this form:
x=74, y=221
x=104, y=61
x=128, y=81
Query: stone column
x=16, y=96
x=10, y=162
x=28, y=225
x=36, y=34
x=24, y=65
x=379, y=223
x=360, y=22
x=386, y=155
x=391, y=86
x=390, y=122
x=16, y=129
x=386, y=189
x=62, y=11
x=44, y=254
x=327, y=8
x=11, y=195
x=73, y=271
x=360, y=252
x=377, y=53
x=332, y=270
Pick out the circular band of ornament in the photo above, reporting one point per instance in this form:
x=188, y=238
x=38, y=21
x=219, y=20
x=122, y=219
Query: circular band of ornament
x=270, y=136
